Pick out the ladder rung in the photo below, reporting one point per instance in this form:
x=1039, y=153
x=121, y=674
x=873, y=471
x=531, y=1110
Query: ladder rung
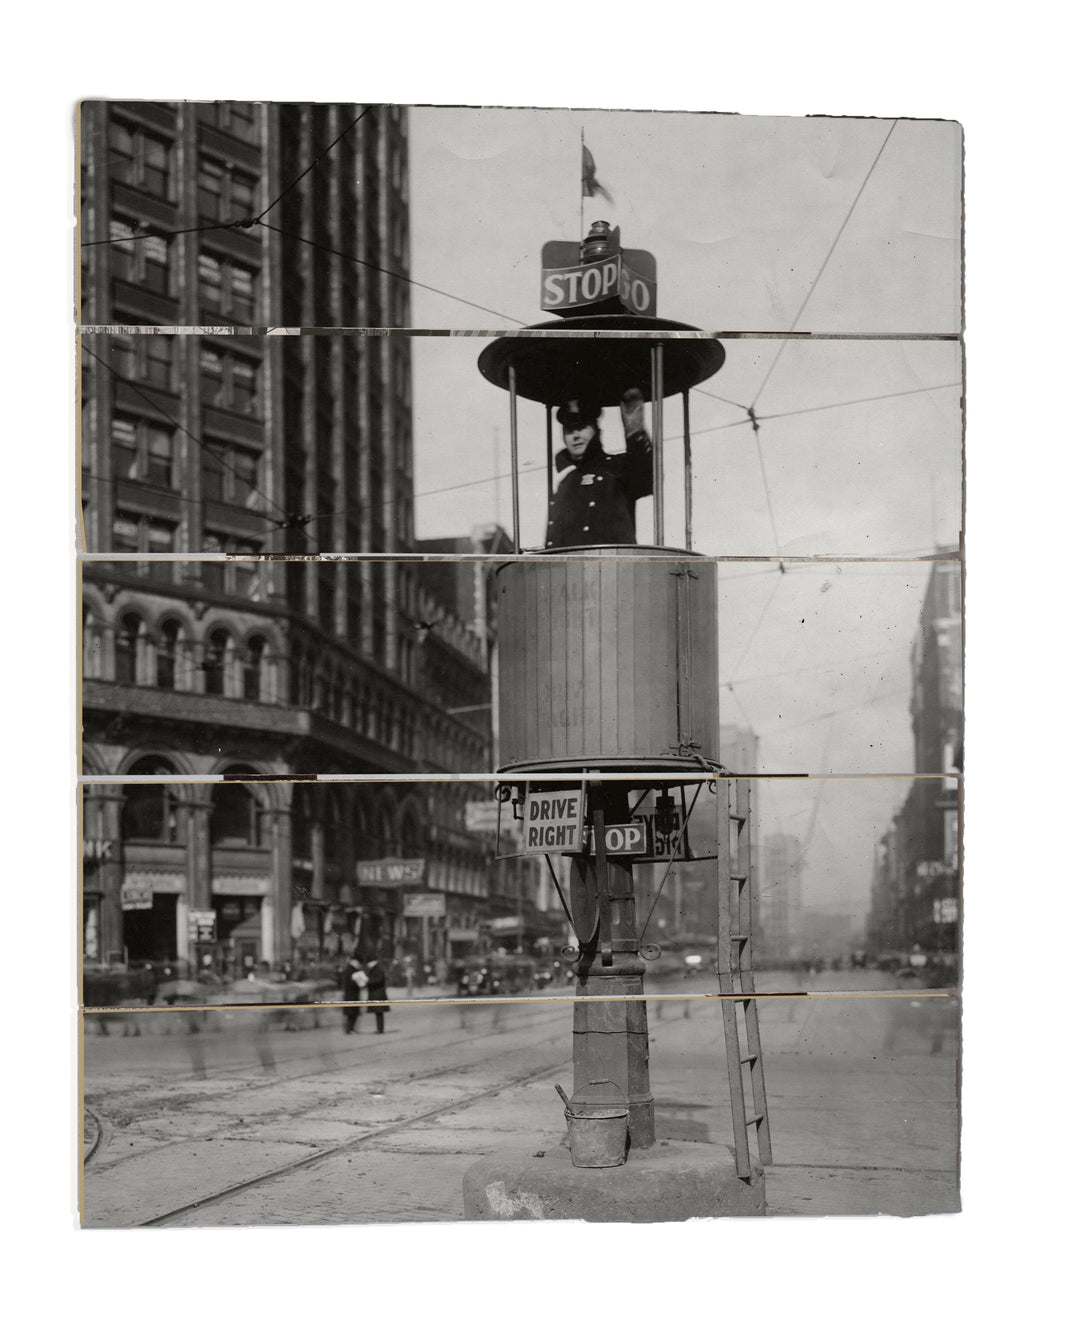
x=750, y=1057
x=752, y=1122
x=740, y=937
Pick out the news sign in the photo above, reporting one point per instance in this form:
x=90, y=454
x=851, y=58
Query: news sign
x=390, y=872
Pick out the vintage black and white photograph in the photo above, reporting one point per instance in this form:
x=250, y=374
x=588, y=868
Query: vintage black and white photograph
x=521, y=682
x=349, y=1001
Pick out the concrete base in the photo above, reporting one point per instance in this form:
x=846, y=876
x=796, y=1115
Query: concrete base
x=681, y=1180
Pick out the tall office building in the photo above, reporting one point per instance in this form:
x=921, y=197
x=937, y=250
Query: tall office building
x=915, y=891
x=238, y=225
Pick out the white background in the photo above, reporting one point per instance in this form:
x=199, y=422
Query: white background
x=1002, y=76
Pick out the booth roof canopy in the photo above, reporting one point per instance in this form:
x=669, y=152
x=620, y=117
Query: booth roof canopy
x=554, y=369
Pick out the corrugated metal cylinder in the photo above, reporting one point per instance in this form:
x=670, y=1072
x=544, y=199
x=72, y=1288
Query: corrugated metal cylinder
x=608, y=662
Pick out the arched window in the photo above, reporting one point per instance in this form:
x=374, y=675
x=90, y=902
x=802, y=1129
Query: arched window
x=91, y=644
x=217, y=650
x=253, y=668
x=128, y=636
x=168, y=651
x=234, y=816
x=150, y=812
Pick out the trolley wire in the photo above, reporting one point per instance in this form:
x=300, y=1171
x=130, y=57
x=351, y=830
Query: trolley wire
x=236, y=223
x=824, y=406
x=389, y=272
x=310, y=167
x=824, y=264
x=203, y=448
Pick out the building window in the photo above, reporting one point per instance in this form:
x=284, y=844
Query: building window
x=234, y=819
x=135, y=533
x=150, y=811
x=159, y=457
x=143, y=450
x=237, y=119
x=229, y=381
x=158, y=361
x=214, y=662
x=231, y=473
x=226, y=289
x=160, y=539
x=254, y=659
x=125, y=449
x=140, y=159
x=168, y=651
x=225, y=192
x=231, y=577
x=141, y=257
x=245, y=579
x=210, y=285
x=129, y=636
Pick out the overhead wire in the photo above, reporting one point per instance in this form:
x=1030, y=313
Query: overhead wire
x=242, y=223
x=824, y=264
x=389, y=272
x=312, y=165
x=805, y=410
x=205, y=449
x=754, y=420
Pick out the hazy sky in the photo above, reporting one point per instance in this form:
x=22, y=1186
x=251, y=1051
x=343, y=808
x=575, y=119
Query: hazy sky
x=741, y=214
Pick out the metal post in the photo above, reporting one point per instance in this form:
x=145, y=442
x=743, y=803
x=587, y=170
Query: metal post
x=550, y=458
x=688, y=484
x=514, y=459
x=611, y=1039
x=657, y=357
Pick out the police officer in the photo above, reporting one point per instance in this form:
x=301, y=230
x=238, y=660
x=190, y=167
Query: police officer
x=594, y=504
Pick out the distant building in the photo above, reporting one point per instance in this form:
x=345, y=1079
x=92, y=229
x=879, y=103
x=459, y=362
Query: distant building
x=780, y=934
x=915, y=894
x=688, y=902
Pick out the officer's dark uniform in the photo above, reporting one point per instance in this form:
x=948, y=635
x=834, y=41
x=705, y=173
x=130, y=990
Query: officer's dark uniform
x=594, y=504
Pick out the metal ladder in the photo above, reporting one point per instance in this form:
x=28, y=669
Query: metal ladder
x=734, y=966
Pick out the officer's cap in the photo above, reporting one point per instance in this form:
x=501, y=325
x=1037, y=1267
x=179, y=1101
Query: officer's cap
x=578, y=411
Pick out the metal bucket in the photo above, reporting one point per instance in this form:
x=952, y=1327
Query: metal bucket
x=598, y=1137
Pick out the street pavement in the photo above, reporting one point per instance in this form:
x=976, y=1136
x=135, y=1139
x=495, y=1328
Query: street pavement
x=336, y=1128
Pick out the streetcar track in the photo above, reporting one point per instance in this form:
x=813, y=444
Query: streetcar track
x=382, y=1052
x=239, y=1068
x=329, y=1101
x=330, y=1152
x=99, y=1134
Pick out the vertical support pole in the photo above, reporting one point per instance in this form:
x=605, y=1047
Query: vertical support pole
x=688, y=482
x=657, y=358
x=550, y=457
x=514, y=459
x=611, y=1038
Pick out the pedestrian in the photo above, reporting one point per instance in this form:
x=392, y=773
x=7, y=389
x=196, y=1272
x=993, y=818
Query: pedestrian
x=376, y=991
x=595, y=503
x=353, y=980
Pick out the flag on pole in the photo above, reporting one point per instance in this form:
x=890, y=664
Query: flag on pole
x=590, y=186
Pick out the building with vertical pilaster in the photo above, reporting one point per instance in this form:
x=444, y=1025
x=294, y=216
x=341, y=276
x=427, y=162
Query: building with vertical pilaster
x=211, y=234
